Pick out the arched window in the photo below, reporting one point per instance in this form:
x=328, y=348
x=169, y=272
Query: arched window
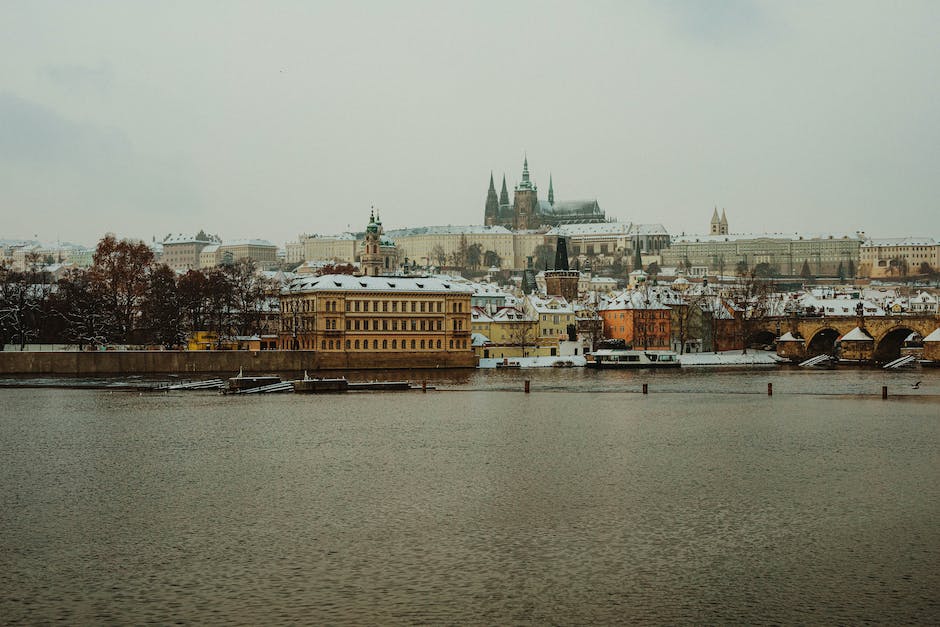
x=394, y=344
x=357, y=344
x=375, y=344
x=323, y=345
x=438, y=344
x=384, y=344
x=413, y=344
x=422, y=344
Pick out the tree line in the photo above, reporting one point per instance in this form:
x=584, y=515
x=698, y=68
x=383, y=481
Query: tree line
x=126, y=297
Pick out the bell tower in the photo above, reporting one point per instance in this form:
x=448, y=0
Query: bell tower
x=525, y=203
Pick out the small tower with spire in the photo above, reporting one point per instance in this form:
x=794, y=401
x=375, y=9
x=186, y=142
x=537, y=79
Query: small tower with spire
x=370, y=260
x=491, y=211
x=715, y=223
x=551, y=191
x=723, y=224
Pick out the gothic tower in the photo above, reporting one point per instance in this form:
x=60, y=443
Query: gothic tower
x=715, y=224
x=525, y=203
x=561, y=281
x=723, y=225
x=491, y=212
x=551, y=191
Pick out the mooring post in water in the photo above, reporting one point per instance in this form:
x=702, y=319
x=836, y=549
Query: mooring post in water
x=526, y=386
x=424, y=386
x=884, y=392
x=770, y=389
x=646, y=388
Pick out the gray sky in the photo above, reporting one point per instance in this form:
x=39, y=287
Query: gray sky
x=270, y=119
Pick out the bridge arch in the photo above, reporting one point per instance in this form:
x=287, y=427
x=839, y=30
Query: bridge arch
x=761, y=337
x=888, y=346
x=822, y=342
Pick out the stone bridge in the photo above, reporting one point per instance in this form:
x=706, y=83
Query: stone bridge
x=819, y=334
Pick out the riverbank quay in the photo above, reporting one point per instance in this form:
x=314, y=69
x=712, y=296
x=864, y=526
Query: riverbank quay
x=208, y=362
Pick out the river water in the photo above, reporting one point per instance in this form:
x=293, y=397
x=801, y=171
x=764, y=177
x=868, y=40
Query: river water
x=705, y=501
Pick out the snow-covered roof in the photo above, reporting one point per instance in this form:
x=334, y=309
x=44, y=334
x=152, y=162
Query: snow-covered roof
x=632, y=299
x=648, y=229
x=899, y=241
x=551, y=304
x=934, y=336
x=478, y=339
x=487, y=289
x=598, y=228
x=341, y=236
x=788, y=337
x=182, y=238
x=211, y=248
x=733, y=237
x=472, y=229
x=347, y=282
x=248, y=242
x=607, y=228
x=856, y=335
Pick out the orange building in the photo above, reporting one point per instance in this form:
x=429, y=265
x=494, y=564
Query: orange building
x=637, y=318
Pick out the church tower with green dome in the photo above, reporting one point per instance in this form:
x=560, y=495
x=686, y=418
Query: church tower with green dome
x=370, y=261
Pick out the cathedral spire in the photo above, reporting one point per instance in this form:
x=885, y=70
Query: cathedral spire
x=504, y=195
x=491, y=209
x=525, y=183
x=551, y=191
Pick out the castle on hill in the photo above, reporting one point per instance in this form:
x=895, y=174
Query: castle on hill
x=527, y=212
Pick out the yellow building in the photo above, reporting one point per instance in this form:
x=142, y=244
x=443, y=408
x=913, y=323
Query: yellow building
x=898, y=257
x=554, y=315
x=343, y=313
x=262, y=252
x=510, y=333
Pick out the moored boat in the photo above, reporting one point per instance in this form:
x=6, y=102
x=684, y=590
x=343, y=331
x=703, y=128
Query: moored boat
x=241, y=382
x=629, y=358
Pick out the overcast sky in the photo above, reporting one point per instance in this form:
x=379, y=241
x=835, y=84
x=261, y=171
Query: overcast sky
x=268, y=119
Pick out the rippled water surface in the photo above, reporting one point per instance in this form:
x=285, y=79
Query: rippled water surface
x=585, y=501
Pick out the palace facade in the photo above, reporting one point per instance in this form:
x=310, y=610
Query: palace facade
x=787, y=255
x=379, y=315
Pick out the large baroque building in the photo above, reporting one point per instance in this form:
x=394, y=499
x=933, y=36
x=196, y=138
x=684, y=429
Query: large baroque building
x=181, y=252
x=379, y=315
x=825, y=254
x=898, y=257
x=527, y=212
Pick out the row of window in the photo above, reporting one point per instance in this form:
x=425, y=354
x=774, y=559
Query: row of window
x=386, y=344
x=415, y=306
x=331, y=324
x=385, y=306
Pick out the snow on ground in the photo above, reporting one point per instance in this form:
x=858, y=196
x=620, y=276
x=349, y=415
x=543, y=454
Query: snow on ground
x=730, y=358
x=533, y=362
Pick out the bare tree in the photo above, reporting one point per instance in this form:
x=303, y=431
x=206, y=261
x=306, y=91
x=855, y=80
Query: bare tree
x=22, y=298
x=249, y=289
x=750, y=297
x=438, y=255
x=83, y=310
x=522, y=333
x=688, y=318
x=121, y=271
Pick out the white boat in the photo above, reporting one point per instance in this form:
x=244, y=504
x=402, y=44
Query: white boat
x=629, y=358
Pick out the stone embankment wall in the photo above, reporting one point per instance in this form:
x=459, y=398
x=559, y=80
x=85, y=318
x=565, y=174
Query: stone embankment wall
x=153, y=362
